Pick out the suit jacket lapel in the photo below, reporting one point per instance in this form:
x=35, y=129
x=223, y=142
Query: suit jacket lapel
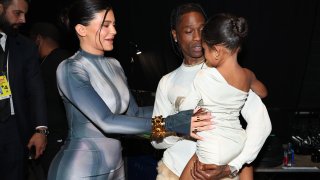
x=12, y=55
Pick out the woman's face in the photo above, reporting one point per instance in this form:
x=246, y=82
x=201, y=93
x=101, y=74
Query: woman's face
x=101, y=40
x=188, y=34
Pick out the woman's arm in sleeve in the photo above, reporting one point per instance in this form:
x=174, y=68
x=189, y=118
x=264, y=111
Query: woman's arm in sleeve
x=74, y=84
x=135, y=110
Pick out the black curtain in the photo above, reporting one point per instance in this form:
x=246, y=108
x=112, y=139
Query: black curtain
x=282, y=47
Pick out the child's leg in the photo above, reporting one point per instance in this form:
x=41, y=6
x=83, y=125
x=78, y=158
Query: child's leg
x=246, y=173
x=186, y=173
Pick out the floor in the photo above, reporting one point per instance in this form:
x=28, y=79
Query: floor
x=141, y=164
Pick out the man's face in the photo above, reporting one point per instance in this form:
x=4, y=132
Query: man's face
x=13, y=16
x=188, y=34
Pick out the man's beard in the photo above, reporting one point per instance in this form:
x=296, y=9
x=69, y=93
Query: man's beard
x=6, y=27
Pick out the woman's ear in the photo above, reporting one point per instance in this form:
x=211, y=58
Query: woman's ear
x=81, y=30
x=38, y=39
x=174, y=35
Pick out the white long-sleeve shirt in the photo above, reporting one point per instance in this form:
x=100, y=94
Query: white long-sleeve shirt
x=173, y=88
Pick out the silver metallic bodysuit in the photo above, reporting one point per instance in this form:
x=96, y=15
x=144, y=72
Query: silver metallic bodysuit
x=98, y=104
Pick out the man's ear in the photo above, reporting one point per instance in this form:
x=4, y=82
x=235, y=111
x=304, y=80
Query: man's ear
x=38, y=39
x=174, y=35
x=81, y=30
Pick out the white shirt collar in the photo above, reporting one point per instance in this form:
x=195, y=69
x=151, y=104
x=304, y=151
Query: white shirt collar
x=3, y=40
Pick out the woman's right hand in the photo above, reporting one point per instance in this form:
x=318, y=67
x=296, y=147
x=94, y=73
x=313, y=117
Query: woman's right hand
x=200, y=121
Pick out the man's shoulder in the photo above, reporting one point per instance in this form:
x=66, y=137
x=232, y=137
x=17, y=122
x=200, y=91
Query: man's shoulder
x=21, y=39
x=168, y=77
x=60, y=54
x=171, y=74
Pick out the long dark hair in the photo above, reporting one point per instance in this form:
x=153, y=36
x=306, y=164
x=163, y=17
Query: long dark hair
x=175, y=19
x=82, y=12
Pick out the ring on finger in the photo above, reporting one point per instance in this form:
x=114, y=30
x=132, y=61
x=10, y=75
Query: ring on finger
x=195, y=130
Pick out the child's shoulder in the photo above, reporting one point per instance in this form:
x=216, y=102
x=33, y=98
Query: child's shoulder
x=248, y=73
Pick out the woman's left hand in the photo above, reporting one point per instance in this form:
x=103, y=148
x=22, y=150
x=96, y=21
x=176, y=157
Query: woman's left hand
x=200, y=121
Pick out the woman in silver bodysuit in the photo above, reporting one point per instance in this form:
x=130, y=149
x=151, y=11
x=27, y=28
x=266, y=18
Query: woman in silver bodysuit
x=98, y=102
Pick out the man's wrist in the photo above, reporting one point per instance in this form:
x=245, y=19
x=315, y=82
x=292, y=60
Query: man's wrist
x=43, y=131
x=41, y=127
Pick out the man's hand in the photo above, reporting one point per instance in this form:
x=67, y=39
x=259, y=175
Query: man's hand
x=209, y=171
x=39, y=141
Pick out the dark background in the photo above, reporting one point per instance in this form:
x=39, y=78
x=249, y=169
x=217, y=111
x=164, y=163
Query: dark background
x=283, y=46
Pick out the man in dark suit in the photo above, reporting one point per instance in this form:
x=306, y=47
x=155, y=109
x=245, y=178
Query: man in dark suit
x=47, y=37
x=23, y=122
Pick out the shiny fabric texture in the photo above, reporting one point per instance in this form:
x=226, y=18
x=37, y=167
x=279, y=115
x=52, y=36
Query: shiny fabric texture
x=98, y=105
